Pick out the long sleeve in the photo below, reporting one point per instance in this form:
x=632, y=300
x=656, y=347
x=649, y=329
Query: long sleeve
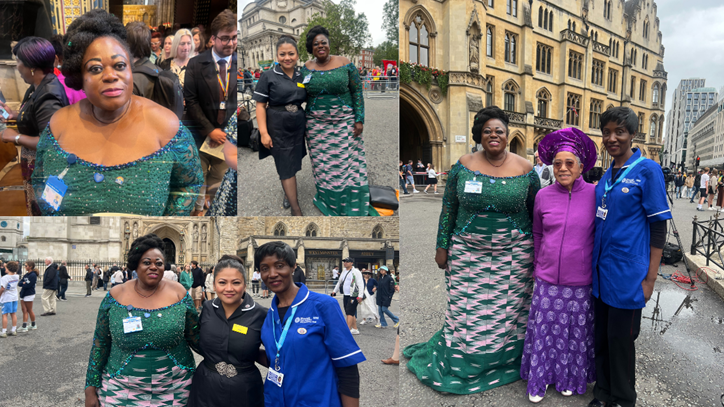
x=537, y=229
x=449, y=213
x=101, y=348
x=192, y=93
x=192, y=328
x=186, y=176
x=45, y=108
x=355, y=89
x=532, y=192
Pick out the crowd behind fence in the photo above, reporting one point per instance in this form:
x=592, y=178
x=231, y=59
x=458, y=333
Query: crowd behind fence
x=708, y=239
x=76, y=268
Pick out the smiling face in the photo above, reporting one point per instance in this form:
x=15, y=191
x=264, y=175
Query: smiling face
x=494, y=136
x=155, y=44
x=224, y=42
x=566, y=168
x=150, y=268
x=229, y=285
x=184, y=47
x=287, y=56
x=320, y=46
x=107, y=75
x=276, y=273
x=616, y=139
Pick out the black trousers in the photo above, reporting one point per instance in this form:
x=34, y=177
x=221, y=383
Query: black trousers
x=616, y=330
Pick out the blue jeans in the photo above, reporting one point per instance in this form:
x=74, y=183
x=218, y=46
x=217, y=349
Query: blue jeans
x=678, y=192
x=62, y=289
x=383, y=311
x=403, y=185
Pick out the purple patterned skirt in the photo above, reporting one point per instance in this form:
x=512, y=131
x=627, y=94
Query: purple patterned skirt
x=559, y=344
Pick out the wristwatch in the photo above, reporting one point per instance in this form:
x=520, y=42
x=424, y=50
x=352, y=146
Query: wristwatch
x=17, y=138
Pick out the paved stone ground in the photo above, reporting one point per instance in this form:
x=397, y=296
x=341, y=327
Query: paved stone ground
x=679, y=351
x=47, y=367
x=261, y=193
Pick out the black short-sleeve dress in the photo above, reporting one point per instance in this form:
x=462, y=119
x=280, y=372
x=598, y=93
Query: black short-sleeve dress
x=285, y=119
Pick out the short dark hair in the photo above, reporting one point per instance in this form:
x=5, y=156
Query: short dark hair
x=140, y=246
x=225, y=21
x=194, y=262
x=281, y=250
x=30, y=264
x=80, y=34
x=621, y=115
x=139, y=39
x=57, y=42
x=35, y=53
x=230, y=262
x=483, y=116
x=285, y=39
x=12, y=266
x=313, y=33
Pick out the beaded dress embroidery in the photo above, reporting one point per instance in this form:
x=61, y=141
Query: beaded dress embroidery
x=163, y=183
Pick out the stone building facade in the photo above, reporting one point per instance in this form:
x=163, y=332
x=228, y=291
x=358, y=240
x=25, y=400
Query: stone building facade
x=321, y=243
x=551, y=65
x=264, y=21
x=707, y=138
x=12, y=246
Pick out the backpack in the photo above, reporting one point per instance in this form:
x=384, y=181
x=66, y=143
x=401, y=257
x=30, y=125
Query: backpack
x=163, y=88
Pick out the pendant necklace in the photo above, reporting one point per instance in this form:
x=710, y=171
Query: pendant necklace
x=93, y=111
x=491, y=163
x=135, y=287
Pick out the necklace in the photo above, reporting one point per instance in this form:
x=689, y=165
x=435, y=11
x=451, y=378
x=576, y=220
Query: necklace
x=135, y=287
x=329, y=59
x=93, y=111
x=491, y=163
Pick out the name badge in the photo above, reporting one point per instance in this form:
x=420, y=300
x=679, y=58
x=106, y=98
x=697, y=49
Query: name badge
x=132, y=324
x=240, y=329
x=54, y=192
x=601, y=213
x=275, y=377
x=301, y=85
x=307, y=79
x=222, y=105
x=473, y=187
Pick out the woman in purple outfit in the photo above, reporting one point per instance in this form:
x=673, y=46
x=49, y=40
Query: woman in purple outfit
x=559, y=341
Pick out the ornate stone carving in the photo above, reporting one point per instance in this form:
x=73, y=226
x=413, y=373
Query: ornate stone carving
x=640, y=138
x=475, y=102
x=545, y=123
x=601, y=48
x=474, y=52
x=435, y=95
x=467, y=78
x=568, y=35
x=203, y=238
x=195, y=237
x=516, y=118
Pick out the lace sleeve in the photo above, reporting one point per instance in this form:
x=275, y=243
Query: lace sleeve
x=192, y=329
x=532, y=192
x=101, y=348
x=186, y=176
x=449, y=213
x=355, y=89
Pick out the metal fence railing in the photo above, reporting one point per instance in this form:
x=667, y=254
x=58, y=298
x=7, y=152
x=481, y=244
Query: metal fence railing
x=380, y=86
x=708, y=239
x=76, y=268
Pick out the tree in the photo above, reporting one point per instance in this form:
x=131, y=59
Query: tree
x=390, y=20
x=386, y=50
x=348, y=31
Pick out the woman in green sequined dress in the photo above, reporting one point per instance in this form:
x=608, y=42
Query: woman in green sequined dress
x=115, y=152
x=335, y=120
x=153, y=366
x=485, y=245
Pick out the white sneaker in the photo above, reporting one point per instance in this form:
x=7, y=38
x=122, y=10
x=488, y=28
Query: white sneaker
x=567, y=393
x=536, y=399
x=414, y=191
x=711, y=208
x=33, y=327
x=22, y=330
x=362, y=322
x=354, y=331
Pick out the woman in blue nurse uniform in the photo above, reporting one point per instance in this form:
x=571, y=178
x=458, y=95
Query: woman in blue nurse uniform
x=630, y=233
x=312, y=355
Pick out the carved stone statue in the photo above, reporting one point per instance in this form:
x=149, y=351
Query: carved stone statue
x=195, y=236
x=203, y=238
x=135, y=230
x=474, y=52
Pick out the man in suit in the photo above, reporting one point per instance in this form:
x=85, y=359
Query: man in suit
x=50, y=285
x=210, y=94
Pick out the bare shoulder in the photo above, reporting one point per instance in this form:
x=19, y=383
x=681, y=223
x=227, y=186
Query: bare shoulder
x=524, y=164
x=165, y=122
x=64, y=116
x=118, y=291
x=343, y=60
x=466, y=159
x=177, y=288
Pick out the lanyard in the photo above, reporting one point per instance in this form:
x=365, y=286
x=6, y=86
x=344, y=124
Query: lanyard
x=620, y=178
x=283, y=336
x=221, y=85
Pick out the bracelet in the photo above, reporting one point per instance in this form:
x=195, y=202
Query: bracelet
x=17, y=138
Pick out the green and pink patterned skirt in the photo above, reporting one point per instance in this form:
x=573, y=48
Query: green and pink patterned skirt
x=150, y=379
x=338, y=163
x=490, y=284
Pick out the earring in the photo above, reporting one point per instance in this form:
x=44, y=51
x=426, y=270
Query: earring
x=32, y=72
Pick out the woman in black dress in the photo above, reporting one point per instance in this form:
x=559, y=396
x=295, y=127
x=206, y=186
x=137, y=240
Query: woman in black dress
x=229, y=340
x=282, y=122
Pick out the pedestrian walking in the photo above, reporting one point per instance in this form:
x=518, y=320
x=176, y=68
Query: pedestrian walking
x=688, y=189
x=697, y=186
x=96, y=277
x=197, y=286
x=409, y=179
x=403, y=184
x=712, y=187
x=186, y=279
x=255, y=278
x=50, y=285
x=9, y=299
x=368, y=311
x=350, y=285
x=27, y=296
x=678, y=184
x=106, y=278
x=117, y=278
x=209, y=289
x=431, y=178
x=703, y=188
x=89, y=276
x=385, y=291
x=63, y=281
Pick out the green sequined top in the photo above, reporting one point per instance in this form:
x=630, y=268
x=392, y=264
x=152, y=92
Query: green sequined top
x=163, y=183
x=327, y=89
x=171, y=329
x=511, y=196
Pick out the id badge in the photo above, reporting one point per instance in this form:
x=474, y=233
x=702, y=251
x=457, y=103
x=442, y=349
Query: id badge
x=307, y=79
x=132, y=324
x=473, y=187
x=275, y=377
x=222, y=105
x=601, y=213
x=54, y=192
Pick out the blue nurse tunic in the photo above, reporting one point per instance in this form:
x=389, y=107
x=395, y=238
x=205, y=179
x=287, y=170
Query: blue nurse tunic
x=622, y=249
x=318, y=341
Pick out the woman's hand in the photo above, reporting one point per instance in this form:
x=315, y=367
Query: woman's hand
x=8, y=135
x=358, y=128
x=266, y=140
x=441, y=258
x=12, y=115
x=91, y=397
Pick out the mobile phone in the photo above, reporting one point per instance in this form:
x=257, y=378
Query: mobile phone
x=4, y=113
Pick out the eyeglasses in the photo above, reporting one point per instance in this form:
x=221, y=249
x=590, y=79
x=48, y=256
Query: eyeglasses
x=570, y=164
x=225, y=40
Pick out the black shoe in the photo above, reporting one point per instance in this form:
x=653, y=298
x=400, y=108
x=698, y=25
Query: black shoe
x=286, y=204
x=596, y=403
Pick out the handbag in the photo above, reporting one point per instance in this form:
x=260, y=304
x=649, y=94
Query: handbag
x=255, y=140
x=384, y=197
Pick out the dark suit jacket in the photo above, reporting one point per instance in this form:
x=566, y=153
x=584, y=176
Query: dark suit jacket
x=299, y=276
x=40, y=104
x=202, y=94
x=50, y=277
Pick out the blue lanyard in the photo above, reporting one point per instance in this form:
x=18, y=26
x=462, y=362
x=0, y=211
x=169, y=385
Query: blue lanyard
x=620, y=178
x=283, y=337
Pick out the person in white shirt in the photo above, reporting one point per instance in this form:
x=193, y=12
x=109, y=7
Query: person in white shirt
x=431, y=178
x=9, y=299
x=335, y=273
x=255, y=278
x=703, y=188
x=117, y=278
x=209, y=284
x=545, y=172
x=169, y=274
x=350, y=285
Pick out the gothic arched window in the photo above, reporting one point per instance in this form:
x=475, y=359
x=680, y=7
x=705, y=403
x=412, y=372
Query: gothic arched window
x=378, y=232
x=312, y=230
x=280, y=229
